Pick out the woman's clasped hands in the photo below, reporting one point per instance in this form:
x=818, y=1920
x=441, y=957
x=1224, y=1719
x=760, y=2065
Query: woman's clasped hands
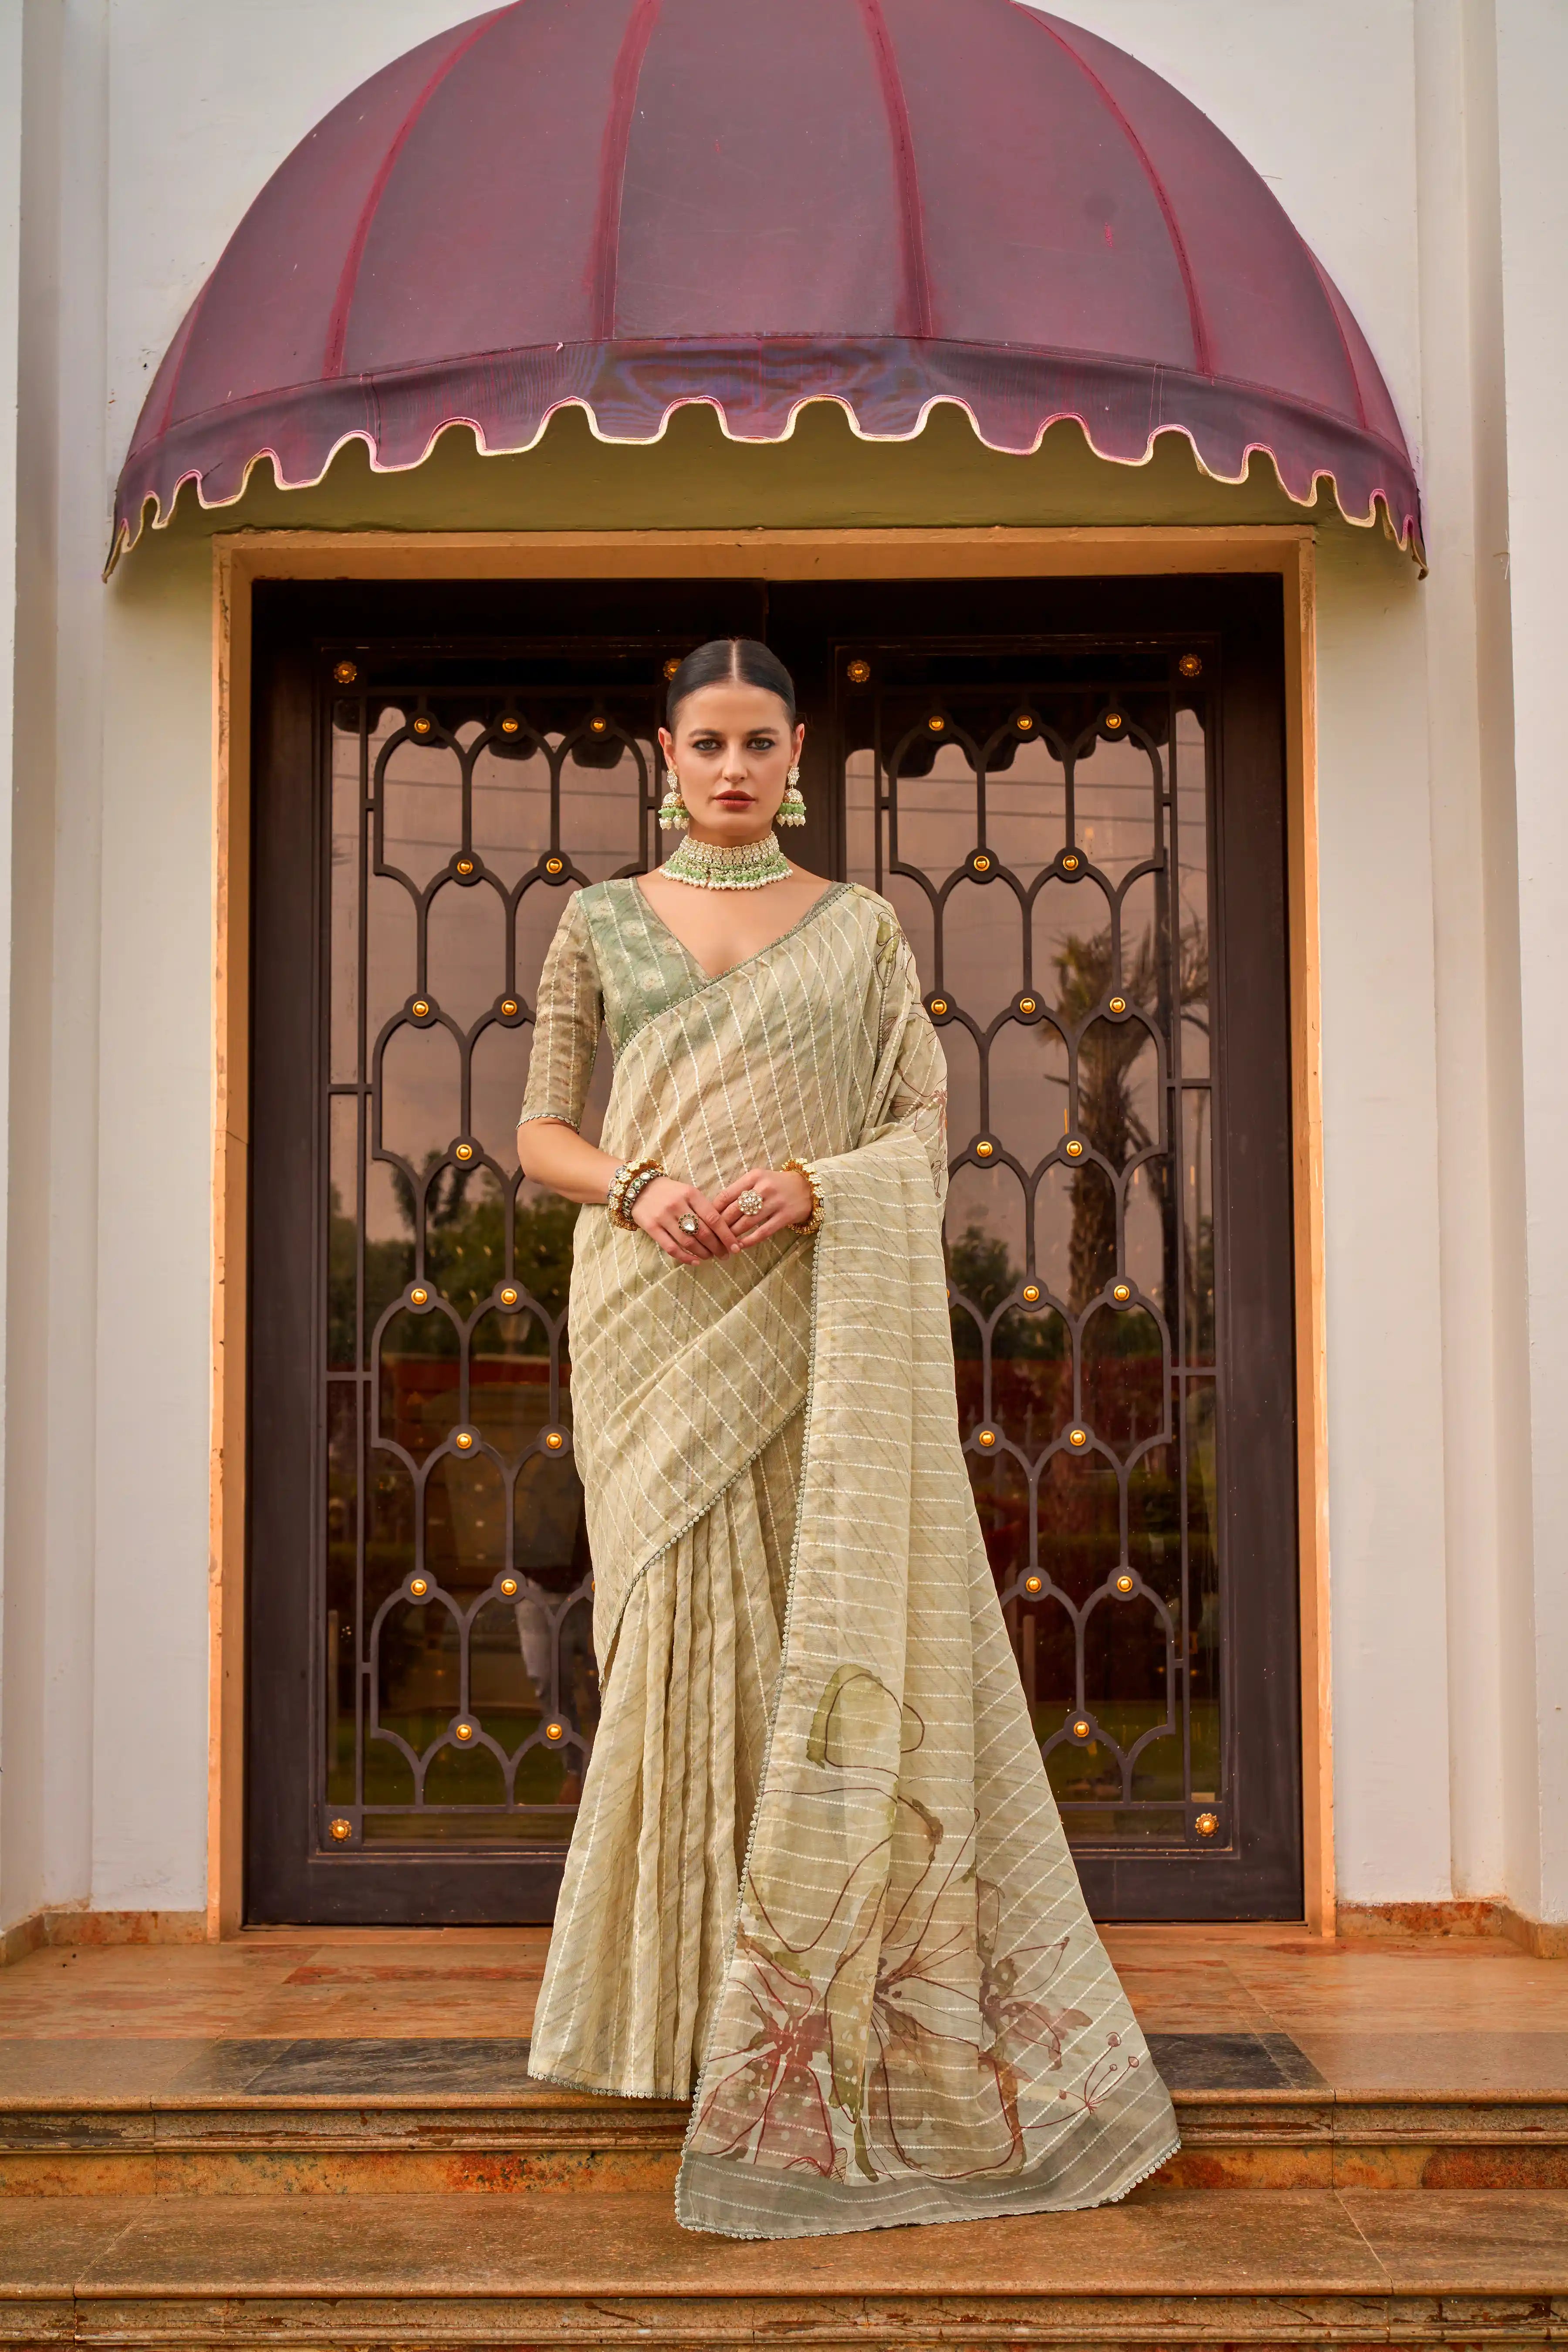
x=690, y=1227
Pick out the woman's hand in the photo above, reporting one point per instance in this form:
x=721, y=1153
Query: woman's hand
x=658, y=1209
x=787, y=1200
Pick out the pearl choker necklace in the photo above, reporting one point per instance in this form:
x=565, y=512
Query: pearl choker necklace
x=721, y=866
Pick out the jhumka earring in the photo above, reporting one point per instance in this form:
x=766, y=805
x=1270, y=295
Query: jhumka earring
x=792, y=808
x=673, y=813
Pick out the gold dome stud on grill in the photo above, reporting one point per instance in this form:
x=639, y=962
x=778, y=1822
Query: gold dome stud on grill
x=510, y=726
x=986, y=1437
x=419, y=1297
x=465, y=865
x=464, y=1152
x=1031, y=1294
x=343, y=1830
x=345, y=674
x=553, y=1440
x=1119, y=1004
x=509, y=1297
x=1114, y=722
x=1024, y=723
x=462, y=1731
x=418, y=1586
x=1082, y=1729
x=937, y=723
x=672, y=664
x=464, y=1440
x=858, y=672
x=1122, y=1292
x=509, y=1586
x=554, y=865
x=509, y=1008
x=1026, y=1004
x=1072, y=862
x=1034, y=1584
x=420, y=1008
x=1074, y=1150
x=982, y=863
x=1206, y=1824
x=556, y=1731
x=598, y=726
x=939, y=1005
x=423, y=726
x=1077, y=1437
x=983, y=1151
x=1124, y=1584
x=1190, y=665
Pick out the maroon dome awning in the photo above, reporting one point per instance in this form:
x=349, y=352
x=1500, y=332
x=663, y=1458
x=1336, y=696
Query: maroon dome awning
x=631, y=205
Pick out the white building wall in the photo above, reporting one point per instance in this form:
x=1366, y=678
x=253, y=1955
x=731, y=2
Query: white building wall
x=152, y=124
x=1532, y=74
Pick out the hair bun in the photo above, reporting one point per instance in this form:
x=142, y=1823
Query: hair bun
x=731, y=661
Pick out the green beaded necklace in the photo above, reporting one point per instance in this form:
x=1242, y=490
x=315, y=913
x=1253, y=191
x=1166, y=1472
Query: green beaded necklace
x=723, y=866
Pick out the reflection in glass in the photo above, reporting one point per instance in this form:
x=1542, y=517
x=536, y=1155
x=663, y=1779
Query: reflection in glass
x=1206, y=1630
x=1073, y=1283
x=1025, y=804
x=1116, y=789
x=347, y=798
x=1198, y=1209
x=456, y=1596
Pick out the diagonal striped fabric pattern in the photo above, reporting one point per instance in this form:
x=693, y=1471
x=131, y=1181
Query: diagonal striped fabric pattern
x=818, y=1871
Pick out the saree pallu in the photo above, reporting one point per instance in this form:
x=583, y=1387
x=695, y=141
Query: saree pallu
x=818, y=1880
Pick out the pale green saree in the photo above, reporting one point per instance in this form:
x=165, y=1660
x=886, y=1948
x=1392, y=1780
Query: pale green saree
x=818, y=1880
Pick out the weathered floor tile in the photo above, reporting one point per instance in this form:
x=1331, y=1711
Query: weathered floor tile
x=372, y=2068
x=1232, y=2062
x=47, y=2243
x=1436, y=2059
x=91, y=2071
x=1466, y=2240
x=1164, y=2243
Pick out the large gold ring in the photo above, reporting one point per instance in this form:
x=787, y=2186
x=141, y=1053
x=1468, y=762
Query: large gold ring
x=688, y=1223
x=751, y=1203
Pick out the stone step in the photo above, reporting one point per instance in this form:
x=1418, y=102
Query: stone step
x=1311, y=2266
x=525, y=2137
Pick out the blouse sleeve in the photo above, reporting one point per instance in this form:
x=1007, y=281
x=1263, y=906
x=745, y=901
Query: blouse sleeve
x=566, y=1023
x=918, y=1093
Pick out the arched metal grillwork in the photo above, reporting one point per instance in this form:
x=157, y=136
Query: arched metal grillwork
x=461, y=1691
x=1045, y=843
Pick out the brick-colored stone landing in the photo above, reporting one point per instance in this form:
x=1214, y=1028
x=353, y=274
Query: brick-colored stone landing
x=1317, y=2266
x=326, y=2140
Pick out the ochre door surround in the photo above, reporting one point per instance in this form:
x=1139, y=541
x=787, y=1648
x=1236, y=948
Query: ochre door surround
x=241, y=559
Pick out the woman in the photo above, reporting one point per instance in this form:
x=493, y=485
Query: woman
x=818, y=1880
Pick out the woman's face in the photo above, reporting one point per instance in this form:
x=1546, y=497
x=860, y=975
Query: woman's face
x=732, y=748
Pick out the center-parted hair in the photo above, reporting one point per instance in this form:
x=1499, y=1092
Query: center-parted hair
x=731, y=661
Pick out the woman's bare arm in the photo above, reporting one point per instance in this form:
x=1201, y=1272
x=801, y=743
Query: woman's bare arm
x=554, y=1154
x=551, y=1153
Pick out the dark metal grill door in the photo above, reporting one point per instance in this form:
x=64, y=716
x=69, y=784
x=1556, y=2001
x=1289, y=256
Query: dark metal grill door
x=1047, y=851
x=1048, y=813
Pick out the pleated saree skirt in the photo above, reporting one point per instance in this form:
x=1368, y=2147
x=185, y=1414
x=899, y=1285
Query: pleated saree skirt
x=646, y=1912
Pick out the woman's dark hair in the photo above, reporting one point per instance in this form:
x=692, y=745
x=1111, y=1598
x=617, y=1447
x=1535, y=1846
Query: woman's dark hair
x=729, y=661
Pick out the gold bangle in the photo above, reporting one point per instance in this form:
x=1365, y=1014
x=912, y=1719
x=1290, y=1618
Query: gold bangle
x=812, y=1225
x=625, y=1177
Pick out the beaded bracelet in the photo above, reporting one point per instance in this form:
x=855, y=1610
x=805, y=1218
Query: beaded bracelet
x=626, y=1175
x=812, y=1225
